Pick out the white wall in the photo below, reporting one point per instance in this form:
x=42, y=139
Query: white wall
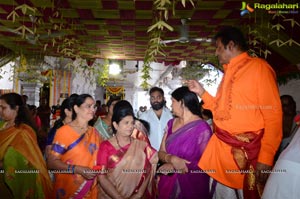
x=99, y=93
x=292, y=88
x=6, y=72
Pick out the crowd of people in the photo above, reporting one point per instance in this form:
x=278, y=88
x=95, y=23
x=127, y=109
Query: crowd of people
x=222, y=147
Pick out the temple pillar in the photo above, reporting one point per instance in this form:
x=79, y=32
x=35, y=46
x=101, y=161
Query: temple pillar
x=32, y=90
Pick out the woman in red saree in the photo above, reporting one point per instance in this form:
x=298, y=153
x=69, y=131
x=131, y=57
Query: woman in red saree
x=128, y=164
x=23, y=169
x=74, y=152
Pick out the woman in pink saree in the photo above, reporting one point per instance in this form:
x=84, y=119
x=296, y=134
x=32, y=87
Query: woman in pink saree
x=128, y=164
x=184, y=141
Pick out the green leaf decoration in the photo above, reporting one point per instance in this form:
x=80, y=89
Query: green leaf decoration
x=45, y=47
x=155, y=30
x=265, y=52
x=278, y=27
x=254, y=42
x=103, y=73
x=290, y=42
x=53, y=42
x=24, y=8
x=192, y=2
x=13, y=15
x=293, y=22
x=278, y=14
x=194, y=70
x=278, y=42
x=22, y=30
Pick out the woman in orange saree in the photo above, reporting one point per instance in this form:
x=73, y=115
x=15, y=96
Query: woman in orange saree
x=23, y=172
x=128, y=164
x=74, y=152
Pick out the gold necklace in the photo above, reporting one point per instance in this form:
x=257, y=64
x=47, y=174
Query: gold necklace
x=80, y=127
x=121, y=148
x=81, y=130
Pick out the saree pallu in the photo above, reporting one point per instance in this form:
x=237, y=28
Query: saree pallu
x=139, y=132
x=104, y=130
x=188, y=142
x=129, y=168
x=74, y=149
x=25, y=172
x=245, y=150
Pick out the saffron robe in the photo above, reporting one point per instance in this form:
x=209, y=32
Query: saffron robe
x=247, y=100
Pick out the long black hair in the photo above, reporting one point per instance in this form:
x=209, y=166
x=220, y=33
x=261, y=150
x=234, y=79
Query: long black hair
x=15, y=100
x=188, y=98
x=66, y=104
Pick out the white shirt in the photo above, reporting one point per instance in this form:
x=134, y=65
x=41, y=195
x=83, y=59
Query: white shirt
x=284, y=181
x=157, y=126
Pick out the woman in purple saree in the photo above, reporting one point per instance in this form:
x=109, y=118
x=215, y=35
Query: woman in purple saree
x=183, y=144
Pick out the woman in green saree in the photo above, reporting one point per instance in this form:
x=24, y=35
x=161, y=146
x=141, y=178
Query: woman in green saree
x=103, y=125
x=23, y=169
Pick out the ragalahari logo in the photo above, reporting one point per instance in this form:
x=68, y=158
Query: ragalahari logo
x=246, y=9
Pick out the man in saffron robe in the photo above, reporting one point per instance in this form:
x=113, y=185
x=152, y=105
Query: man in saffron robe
x=247, y=118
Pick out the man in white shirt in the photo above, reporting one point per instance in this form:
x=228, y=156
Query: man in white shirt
x=157, y=116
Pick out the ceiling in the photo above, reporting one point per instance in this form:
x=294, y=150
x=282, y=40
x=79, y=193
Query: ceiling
x=117, y=29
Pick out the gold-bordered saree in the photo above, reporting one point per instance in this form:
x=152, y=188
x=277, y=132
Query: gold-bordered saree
x=25, y=174
x=245, y=150
x=130, y=168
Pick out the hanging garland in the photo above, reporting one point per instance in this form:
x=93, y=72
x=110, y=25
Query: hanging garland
x=155, y=47
x=103, y=73
x=116, y=91
x=194, y=71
